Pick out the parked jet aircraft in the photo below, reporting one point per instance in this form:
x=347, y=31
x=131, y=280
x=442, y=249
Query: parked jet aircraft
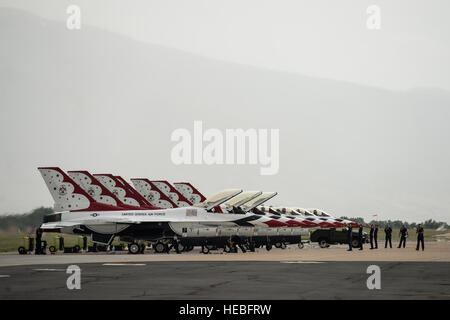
x=79, y=213
x=323, y=215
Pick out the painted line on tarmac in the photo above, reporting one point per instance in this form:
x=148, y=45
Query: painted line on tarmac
x=124, y=264
x=305, y=262
x=49, y=269
x=4, y=276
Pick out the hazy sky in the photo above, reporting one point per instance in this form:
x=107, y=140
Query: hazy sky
x=322, y=38
x=357, y=134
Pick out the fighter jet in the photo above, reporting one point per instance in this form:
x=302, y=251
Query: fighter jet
x=78, y=212
x=323, y=215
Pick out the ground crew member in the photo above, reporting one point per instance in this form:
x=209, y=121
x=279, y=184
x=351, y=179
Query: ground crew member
x=38, y=249
x=388, y=232
x=375, y=236
x=403, y=235
x=360, y=236
x=349, y=237
x=372, y=229
x=420, y=239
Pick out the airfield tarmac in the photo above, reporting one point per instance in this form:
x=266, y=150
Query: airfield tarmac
x=309, y=273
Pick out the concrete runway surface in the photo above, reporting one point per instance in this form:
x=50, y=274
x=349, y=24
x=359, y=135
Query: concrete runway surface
x=228, y=280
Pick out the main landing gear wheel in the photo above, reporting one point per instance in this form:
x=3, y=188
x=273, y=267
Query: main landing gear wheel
x=180, y=247
x=160, y=247
x=205, y=249
x=134, y=248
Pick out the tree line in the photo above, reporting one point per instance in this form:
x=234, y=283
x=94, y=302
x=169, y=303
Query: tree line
x=24, y=222
x=396, y=224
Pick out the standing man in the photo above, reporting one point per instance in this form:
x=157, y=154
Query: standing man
x=360, y=236
x=420, y=239
x=349, y=237
x=372, y=229
x=38, y=249
x=403, y=235
x=375, y=236
x=388, y=232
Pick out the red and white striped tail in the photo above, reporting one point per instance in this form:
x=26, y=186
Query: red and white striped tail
x=179, y=199
x=152, y=193
x=121, y=191
x=189, y=192
x=68, y=195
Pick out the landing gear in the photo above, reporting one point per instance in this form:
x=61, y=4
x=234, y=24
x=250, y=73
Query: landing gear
x=180, y=247
x=134, y=248
x=205, y=249
x=160, y=247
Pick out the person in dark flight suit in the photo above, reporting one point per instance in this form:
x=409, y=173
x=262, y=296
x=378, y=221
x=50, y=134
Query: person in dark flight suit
x=375, y=236
x=349, y=236
x=420, y=238
x=372, y=229
x=38, y=249
x=388, y=232
x=360, y=236
x=403, y=234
